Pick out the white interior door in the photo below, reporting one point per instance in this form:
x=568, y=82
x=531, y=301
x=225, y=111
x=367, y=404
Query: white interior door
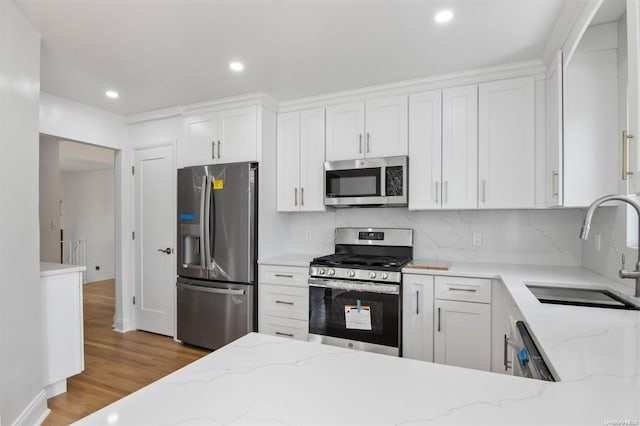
x=154, y=238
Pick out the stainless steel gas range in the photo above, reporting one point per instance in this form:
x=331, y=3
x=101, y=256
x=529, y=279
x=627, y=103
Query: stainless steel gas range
x=355, y=293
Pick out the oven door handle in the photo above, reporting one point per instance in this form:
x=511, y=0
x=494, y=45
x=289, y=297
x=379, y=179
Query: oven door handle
x=355, y=285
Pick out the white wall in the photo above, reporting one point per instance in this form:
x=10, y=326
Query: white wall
x=21, y=396
x=88, y=213
x=49, y=200
x=525, y=236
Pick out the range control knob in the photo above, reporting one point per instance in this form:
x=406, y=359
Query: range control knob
x=372, y=275
x=321, y=271
x=352, y=273
x=332, y=272
x=384, y=276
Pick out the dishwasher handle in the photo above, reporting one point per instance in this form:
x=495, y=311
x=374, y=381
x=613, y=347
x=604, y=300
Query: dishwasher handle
x=227, y=291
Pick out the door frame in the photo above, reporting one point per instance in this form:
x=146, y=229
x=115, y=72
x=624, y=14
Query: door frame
x=127, y=297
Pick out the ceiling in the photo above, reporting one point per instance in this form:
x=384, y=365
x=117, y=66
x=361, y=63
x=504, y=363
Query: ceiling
x=162, y=53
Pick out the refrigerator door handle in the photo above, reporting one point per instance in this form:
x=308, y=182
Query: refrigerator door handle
x=205, y=219
x=228, y=291
x=202, y=223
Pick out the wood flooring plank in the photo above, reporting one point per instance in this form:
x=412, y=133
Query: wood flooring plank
x=116, y=364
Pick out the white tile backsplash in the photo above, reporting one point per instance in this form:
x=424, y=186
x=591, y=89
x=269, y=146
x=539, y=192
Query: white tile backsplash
x=522, y=236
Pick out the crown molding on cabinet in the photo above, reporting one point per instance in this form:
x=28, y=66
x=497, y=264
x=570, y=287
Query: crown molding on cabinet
x=564, y=26
x=259, y=98
x=462, y=78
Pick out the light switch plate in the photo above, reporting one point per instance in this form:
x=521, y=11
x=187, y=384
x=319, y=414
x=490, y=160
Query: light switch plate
x=476, y=239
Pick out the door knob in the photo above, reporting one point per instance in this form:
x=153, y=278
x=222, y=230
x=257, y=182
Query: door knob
x=167, y=250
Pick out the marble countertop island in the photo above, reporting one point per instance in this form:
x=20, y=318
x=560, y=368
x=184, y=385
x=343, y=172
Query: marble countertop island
x=267, y=380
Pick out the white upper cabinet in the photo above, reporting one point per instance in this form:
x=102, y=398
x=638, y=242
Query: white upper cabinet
x=554, y=170
x=506, y=144
x=375, y=129
x=425, y=150
x=460, y=147
x=300, y=158
x=633, y=93
x=220, y=137
x=443, y=144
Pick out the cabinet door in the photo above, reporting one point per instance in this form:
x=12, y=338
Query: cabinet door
x=417, y=317
x=633, y=92
x=506, y=144
x=345, y=131
x=460, y=147
x=237, y=135
x=553, y=183
x=425, y=149
x=201, y=135
x=386, y=123
x=462, y=334
x=288, y=162
x=312, y=160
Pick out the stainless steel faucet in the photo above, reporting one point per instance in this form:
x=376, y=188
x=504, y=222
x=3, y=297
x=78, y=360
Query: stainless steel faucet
x=586, y=225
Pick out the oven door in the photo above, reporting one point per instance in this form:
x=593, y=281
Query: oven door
x=344, y=312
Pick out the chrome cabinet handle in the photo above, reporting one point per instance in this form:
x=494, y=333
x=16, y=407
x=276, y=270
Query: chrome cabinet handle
x=295, y=196
x=360, y=139
x=284, y=334
x=625, y=154
x=282, y=302
x=167, y=250
x=301, y=196
x=368, y=142
x=506, y=351
x=484, y=190
x=437, y=190
x=469, y=290
x=218, y=149
x=445, y=196
x=439, y=328
x=284, y=275
x=213, y=149
x=417, y=302
x=555, y=187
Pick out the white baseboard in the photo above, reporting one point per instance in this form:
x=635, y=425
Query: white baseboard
x=35, y=412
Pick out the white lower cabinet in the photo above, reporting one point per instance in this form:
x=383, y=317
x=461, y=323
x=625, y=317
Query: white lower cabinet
x=462, y=334
x=417, y=317
x=283, y=301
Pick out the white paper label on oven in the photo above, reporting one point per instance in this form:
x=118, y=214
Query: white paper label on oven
x=357, y=317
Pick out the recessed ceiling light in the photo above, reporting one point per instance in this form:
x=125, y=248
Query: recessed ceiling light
x=236, y=66
x=443, y=16
x=111, y=94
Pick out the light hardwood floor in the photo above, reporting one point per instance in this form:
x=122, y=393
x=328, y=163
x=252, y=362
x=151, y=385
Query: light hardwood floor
x=116, y=364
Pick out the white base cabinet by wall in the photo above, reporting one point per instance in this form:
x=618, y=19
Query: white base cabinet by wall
x=506, y=144
x=283, y=301
x=300, y=161
x=462, y=322
x=417, y=317
x=377, y=128
x=227, y=136
x=62, y=325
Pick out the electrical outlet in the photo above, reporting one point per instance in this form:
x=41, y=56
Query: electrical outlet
x=476, y=239
x=97, y=268
x=598, y=242
x=307, y=235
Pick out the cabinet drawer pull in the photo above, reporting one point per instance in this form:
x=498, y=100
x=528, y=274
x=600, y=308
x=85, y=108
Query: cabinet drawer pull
x=283, y=334
x=506, y=351
x=213, y=149
x=284, y=275
x=360, y=139
x=468, y=290
x=218, y=149
x=417, y=302
x=282, y=302
x=439, y=311
x=368, y=143
x=295, y=196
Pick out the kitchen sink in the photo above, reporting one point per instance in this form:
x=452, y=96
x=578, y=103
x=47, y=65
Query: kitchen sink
x=595, y=298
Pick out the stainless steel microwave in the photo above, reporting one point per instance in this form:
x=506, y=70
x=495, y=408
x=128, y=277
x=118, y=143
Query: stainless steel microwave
x=366, y=182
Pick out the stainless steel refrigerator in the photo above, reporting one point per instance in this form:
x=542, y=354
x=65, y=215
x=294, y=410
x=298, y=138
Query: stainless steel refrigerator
x=217, y=253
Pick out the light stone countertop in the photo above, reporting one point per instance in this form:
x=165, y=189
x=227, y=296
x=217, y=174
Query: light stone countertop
x=48, y=269
x=290, y=259
x=266, y=380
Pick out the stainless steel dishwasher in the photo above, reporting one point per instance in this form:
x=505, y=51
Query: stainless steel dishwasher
x=211, y=314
